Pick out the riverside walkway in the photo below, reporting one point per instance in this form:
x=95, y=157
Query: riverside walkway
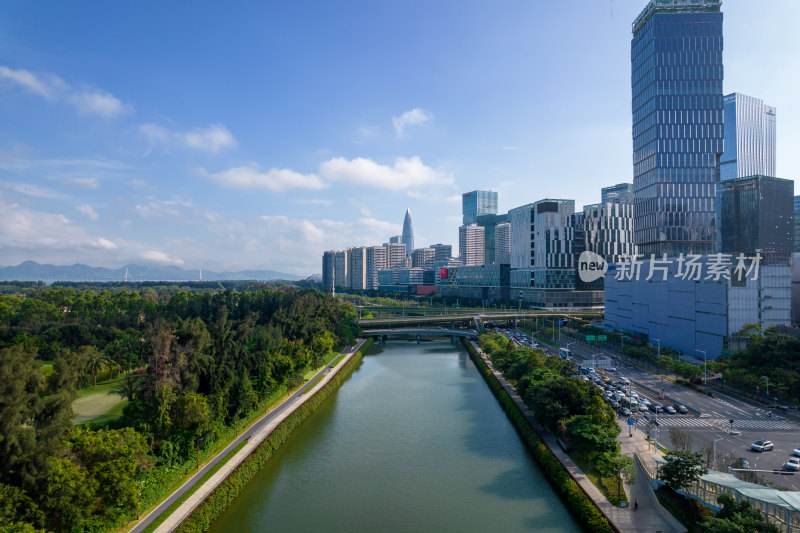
x=650, y=517
x=254, y=436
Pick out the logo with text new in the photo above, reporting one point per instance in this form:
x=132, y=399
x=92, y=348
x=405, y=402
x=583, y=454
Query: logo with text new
x=591, y=266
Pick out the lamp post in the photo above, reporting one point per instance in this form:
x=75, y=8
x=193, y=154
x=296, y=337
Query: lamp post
x=714, y=463
x=705, y=369
x=570, y=344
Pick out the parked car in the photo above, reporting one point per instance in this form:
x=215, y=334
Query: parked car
x=762, y=446
x=742, y=463
x=682, y=409
x=796, y=451
x=671, y=410
x=792, y=464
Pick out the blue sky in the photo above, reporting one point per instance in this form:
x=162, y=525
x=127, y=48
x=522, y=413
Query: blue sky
x=257, y=135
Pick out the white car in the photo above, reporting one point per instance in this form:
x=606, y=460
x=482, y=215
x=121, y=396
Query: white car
x=762, y=446
x=796, y=451
x=792, y=464
x=634, y=394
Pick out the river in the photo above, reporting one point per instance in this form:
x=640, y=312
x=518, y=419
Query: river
x=413, y=441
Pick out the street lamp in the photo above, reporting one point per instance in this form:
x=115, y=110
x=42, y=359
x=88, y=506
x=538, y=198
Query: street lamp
x=714, y=464
x=705, y=369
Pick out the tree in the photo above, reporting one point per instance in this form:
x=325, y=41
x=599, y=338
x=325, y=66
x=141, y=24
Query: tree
x=737, y=518
x=680, y=439
x=93, y=360
x=69, y=495
x=682, y=469
x=609, y=463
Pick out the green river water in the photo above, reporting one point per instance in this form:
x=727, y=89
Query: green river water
x=413, y=441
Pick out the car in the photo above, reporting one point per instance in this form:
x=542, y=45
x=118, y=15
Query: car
x=624, y=381
x=644, y=403
x=655, y=407
x=627, y=413
x=682, y=409
x=792, y=464
x=742, y=463
x=615, y=404
x=762, y=446
x=669, y=409
x=633, y=394
x=796, y=451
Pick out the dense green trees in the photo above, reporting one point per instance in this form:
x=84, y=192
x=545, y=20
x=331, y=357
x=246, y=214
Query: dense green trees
x=206, y=360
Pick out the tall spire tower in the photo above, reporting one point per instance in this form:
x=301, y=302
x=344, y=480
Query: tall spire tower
x=408, y=233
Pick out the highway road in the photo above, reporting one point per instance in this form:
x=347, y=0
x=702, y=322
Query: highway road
x=712, y=421
x=255, y=428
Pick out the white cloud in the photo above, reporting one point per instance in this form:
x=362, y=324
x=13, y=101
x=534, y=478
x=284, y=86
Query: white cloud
x=415, y=117
x=88, y=211
x=210, y=139
x=164, y=208
x=25, y=232
x=83, y=183
x=31, y=190
x=157, y=256
x=405, y=173
x=53, y=88
x=99, y=102
x=251, y=177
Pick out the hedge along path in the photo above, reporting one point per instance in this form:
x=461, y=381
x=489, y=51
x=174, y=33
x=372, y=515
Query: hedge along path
x=198, y=512
x=587, y=511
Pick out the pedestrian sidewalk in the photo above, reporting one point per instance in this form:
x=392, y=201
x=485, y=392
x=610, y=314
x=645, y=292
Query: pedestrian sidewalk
x=650, y=517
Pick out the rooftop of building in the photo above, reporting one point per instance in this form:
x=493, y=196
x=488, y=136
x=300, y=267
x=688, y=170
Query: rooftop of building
x=674, y=6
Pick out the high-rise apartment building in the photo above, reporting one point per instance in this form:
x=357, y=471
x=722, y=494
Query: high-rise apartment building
x=749, y=138
x=396, y=239
x=408, y=233
x=622, y=192
x=443, y=252
x=477, y=203
x=395, y=255
x=423, y=258
x=340, y=278
x=376, y=260
x=676, y=81
x=471, y=244
x=489, y=223
x=502, y=243
x=357, y=268
x=757, y=214
x=328, y=264
x=521, y=220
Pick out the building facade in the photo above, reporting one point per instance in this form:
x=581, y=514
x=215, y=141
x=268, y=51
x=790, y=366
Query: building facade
x=340, y=278
x=423, y=258
x=502, y=243
x=757, y=213
x=608, y=230
x=376, y=260
x=622, y=192
x=395, y=255
x=328, y=263
x=442, y=252
x=749, y=138
x=357, y=268
x=676, y=81
x=476, y=203
x=797, y=223
x=471, y=244
x=408, y=233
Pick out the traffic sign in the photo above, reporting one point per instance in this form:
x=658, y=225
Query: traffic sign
x=560, y=322
x=631, y=421
x=589, y=338
x=602, y=338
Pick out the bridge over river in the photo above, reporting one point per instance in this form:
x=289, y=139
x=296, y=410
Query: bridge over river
x=419, y=333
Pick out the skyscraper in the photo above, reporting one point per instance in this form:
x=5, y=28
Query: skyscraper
x=478, y=203
x=676, y=81
x=757, y=214
x=471, y=244
x=408, y=233
x=502, y=243
x=749, y=138
x=621, y=192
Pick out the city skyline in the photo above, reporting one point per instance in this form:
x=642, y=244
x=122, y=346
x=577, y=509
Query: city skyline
x=141, y=155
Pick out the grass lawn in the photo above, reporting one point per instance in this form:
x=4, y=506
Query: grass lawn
x=104, y=401
x=47, y=369
x=594, y=477
x=312, y=372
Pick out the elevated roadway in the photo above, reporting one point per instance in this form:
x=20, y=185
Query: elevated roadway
x=473, y=317
x=418, y=333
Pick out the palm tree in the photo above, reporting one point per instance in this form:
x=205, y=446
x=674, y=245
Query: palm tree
x=94, y=360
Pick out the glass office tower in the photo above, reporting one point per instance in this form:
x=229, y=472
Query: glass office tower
x=749, y=138
x=676, y=79
x=478, y=203
x=757, y=214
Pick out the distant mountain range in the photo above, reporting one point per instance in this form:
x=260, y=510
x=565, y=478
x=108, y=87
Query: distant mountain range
x=32, y=271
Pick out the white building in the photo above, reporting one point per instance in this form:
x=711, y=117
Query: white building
x=376, y=260
x=357, y=268
x=471, y=244
x=749, y=148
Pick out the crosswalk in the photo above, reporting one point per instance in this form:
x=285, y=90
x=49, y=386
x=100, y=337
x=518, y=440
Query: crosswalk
x=722, y=424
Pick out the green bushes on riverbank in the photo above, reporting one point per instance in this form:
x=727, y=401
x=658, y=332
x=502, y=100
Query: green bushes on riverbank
x=202, y=518
x=587, y=513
